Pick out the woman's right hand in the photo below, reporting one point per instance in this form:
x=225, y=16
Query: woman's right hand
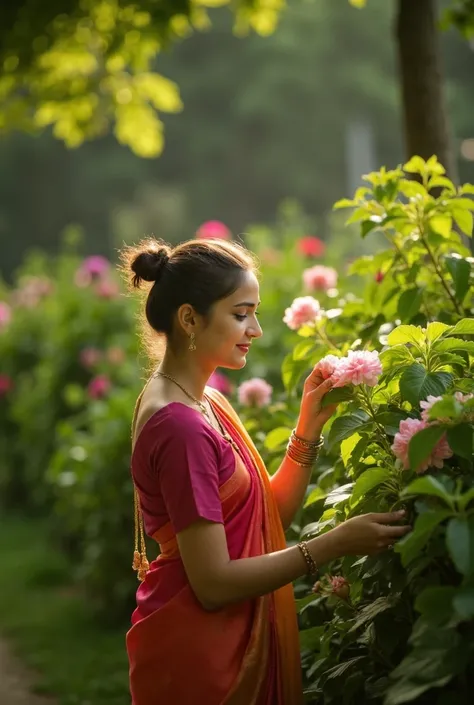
x=368, y=534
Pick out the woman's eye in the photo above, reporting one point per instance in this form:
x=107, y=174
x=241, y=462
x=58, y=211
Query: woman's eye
x=240, y=317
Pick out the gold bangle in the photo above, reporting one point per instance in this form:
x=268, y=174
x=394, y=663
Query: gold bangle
x=314, y=445
x=310, y=562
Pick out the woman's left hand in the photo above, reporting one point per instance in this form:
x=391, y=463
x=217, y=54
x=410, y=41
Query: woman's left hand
x=312, y=415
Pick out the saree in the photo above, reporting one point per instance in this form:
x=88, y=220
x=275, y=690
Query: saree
x=242, y=654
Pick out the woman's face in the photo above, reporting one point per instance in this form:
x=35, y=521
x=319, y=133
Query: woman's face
x=231, y=328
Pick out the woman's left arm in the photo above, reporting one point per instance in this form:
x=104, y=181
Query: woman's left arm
x=290, y=482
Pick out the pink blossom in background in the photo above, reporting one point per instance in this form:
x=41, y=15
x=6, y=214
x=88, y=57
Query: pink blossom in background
x=116, y=355
x=319, y=278
x=5, y=314
x=107, y=289
x=31, y=291
x=431, y=400
x=90, y=357
x=98, y=387
x=408, y=428
x=327, y=365
x=213, y=229
x=304, y=309
x=6, y=384
x=311, y=246
x=91, y=269
x=255, y=392
x=359, y=367
x=340, y=586
x=220, y=382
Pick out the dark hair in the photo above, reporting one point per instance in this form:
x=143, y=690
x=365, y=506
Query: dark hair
x=196, y=272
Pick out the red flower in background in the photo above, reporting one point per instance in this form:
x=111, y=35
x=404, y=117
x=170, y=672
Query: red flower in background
x=6, y=384
x=220, y=382
x=212, y=230
x=311, y=246
x=379, y=277
x=98, y=387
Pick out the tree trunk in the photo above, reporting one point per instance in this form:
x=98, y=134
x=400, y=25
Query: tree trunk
x=424, y=110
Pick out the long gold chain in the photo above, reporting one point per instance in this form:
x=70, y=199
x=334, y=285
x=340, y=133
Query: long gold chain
x=202, y=408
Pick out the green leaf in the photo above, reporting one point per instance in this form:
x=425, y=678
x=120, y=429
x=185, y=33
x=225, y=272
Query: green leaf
x=460, y=440
x=463, y=602
x=460, y=271
x=368, y=613
x=342, y=668
x=390, y=420
x=303, y=602
x=428, y=485
x=435, y=330
x=463, y=327
x=446, y=408
x=409, y=303
x=292, y=371
x=422, y=444
x=435, y=603
x=314, y=496
x=460, y=543
x=277, y=437
x=416, y=383
x=396, y=356
x=335, y=396
x=367, y=225
x=441, y=182
x=406, y=334
x=344, y=203
x=467, y=188
x=347, y=446
x=450, y=344
x=345, y=426
x=339, y=494
x=411, y=545
x=368, y=480
x=310, y=639
x=441, y=224
x=464, y=220
x=415, y=165
x=303, y=349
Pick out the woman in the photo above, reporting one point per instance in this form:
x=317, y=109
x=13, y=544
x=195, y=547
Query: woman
x=215, y=622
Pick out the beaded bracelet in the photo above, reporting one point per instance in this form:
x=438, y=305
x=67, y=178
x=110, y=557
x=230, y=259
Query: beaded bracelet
x=310, y=562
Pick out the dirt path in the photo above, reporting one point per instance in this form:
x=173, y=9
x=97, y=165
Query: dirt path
x=15, y=680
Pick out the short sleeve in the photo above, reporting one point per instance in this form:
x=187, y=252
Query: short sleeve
x=186, y=460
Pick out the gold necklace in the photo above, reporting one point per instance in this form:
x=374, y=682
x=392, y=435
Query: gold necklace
x=202, y=408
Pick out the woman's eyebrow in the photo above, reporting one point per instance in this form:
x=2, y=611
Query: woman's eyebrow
x=246, y=303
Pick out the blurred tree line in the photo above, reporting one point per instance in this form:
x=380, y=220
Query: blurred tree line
x=264, y=119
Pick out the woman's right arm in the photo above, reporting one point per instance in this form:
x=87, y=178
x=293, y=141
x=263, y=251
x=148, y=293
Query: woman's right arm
x=218, y=581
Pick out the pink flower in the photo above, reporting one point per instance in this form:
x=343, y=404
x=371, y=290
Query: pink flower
x=107, y=289
x=255, y=392
x=98, y=387
x=220, y=382
x=311, y=246
x=116, y=355
x=6, y=385
x=431, y=400
x=5, y=314
x=340, y=586
x=408, y=428
x=319, y=278
x=31, y=291
x=213, y=229
x=327, y=365
x=90, y=357
x=92, y=269
x=426, y=406
x=304, y=309
x=359, y=367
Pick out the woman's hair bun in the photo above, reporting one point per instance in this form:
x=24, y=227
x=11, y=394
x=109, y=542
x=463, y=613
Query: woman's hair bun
x=148, y=265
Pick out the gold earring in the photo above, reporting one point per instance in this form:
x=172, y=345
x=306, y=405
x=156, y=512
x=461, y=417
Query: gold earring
x=192, y=344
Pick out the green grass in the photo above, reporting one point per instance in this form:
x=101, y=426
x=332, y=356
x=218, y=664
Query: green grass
x=49, y=625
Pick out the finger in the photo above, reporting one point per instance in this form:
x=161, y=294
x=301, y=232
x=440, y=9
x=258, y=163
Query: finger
x=392, y=532
x=388, y=517
x=323, y=388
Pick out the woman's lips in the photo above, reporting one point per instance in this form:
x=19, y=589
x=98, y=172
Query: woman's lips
x=244, y=348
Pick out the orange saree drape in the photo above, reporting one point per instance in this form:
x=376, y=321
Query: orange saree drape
x=243, y=654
